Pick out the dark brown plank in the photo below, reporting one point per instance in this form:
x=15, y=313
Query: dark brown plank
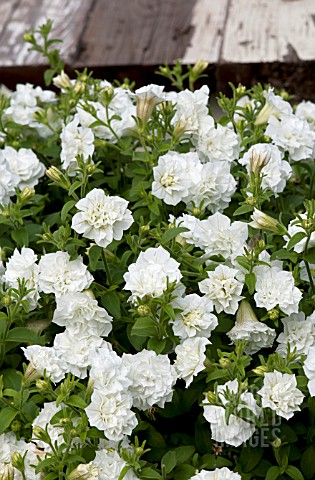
x=137, y=32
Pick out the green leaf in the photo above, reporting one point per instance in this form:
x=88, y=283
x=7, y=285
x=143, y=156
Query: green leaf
x=94, y=255
x=156, y=344
x=124, y=471
x=294, y=473
x=297, y=237
x=74, y=187
x=172, y=233
x=250, y=280
x=184, y=453
x=169, y=461
x=273, y=473
x=149, y=473
x=283, y=254
x=24, y=335
x=20, y=237
x=7, y=415
x=66, y=209
x=217, y=374
x=310, y=255
x=76, y=401
x=243, y=262
x=307, y=462
x=144, y=327
x=243, y=209
x=184, y=472
x=211, y=461
x=111, y=302
x=249, y=458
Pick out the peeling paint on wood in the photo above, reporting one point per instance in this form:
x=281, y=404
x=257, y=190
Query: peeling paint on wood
x=272, y=30
x=208, y=29
x=68, y=16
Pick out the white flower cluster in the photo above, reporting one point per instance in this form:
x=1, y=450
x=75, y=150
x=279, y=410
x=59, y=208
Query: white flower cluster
x=102, y=218
x=237, y=430
x=9, y=445
x=75, y=140
x=18, y=169
x=223, y=473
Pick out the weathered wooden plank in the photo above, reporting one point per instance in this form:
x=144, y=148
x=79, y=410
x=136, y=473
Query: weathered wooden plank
x=269, y=31
x=69, y=19
x=208, y=20
x=137, y=32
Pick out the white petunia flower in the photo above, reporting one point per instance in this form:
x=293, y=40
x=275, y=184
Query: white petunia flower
x=257, y=334
x=306, y=111
x=81, y=314
x=192, y=110
x=152, y=378
x=190, y=357
x=102, y=218
x=276, y=287
x=223, y=288
x=218, y=236
x=46, y=359
x=59, y=275
x=292, y=135
x=23, y=265
x=217, y=474
x=175, y=177
x=237, y=430
x=191, y=223
x=43, y=419
x=75, y=140
x=75, y=351
x=309, y=370
x=217, y=144
x=279, y=393
x=298, y=332
x=215, y=188
x=8, y=181
x=24, y=164
x=195, y=319
x=276, y=172
x=151, y=274
x=108, y=371
x=275, y=106
x=110, y=465
x=112, y=414
x=304, y=274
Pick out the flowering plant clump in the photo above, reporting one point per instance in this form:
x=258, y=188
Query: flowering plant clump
x=157, y=280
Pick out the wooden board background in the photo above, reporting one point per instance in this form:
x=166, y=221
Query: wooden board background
x=243, y=40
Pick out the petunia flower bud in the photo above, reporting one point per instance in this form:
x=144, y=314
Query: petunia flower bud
x=62, y=80
x=265, y=222
x=84, y=472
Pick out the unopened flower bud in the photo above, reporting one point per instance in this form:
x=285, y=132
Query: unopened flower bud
x=17, y=461
x=261, y=370
x=28, y=37
x=84, y=472
x=42, y=385
x=199, y=67
x=41, y=434
x=180, y=240
x=144, y=310
x=31, y=374
x=62, y=80
x=90, y=387
x=265, y=222
x=211, y=398
x=264, y=114
x=245, y=313
x=5, y=213
x=307, y=223
x=79, y=88
x=16, y=426
x=251, y=201
x=57, y=176
x=27, y=193
x=89, y=293
x=107, y=95
x=90, y=169
x=276, y=443
x=241, y=89
x=147, y=98
x=196, y=211
x=8, y=472
x=224, y=362
x=144, y=228
x=6, y=300
x=258, y=160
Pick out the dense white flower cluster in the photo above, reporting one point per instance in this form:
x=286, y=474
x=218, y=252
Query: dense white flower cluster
x=275, y=286
x=59, y=275
x=9, y=445
x=75, y=140
x=298, y=334
x=191, y=110
x=190, y=357
x=309, y=370
x=110, y=465
x=24, y=165
x=223, y=288
x=217, y=144
x=237, y=430
x=279, y=393
x=150, y=276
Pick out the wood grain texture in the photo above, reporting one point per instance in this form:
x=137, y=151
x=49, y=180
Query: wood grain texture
x=269, y=30
x=137, y=32
x=208, y=23
x=69, y=19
